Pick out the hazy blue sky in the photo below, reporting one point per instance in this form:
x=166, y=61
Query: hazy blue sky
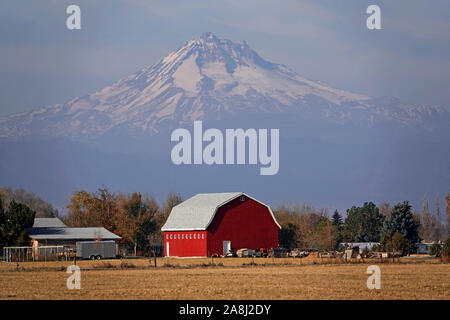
x=41, y=62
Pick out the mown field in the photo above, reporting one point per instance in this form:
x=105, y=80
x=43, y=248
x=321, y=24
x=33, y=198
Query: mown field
x=235, y=278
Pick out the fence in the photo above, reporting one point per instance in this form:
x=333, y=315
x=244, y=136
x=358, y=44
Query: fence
x=39, y=253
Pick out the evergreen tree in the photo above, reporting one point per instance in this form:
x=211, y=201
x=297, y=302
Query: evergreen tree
x=372, y=223
x=2, y=212
x=364, y=224
x=2, y=225
x=14, y=223
x=338, y=224
x=337, y=219
x=288, y=236
x=401, y=220
x=353, y=224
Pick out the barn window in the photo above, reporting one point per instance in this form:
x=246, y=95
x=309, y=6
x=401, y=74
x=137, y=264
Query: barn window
x=190, y=236
x=195, y=235
x=171, y=236
x=182, y=236
x=167, y=236
x=242, y=198
x=203, y=236
x=178, y=236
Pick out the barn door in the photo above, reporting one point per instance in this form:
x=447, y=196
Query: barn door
x=167, y=249
x=226, y=247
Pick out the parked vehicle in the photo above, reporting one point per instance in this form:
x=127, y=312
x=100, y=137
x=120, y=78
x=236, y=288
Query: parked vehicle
x=298, y=253
x=67, y=254
x=96, y=250
x=245, y=252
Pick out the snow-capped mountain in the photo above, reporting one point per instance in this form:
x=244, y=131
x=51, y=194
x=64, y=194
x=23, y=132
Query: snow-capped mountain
x=207, y=78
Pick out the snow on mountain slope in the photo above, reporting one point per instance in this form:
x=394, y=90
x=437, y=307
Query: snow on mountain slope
x=207, y=78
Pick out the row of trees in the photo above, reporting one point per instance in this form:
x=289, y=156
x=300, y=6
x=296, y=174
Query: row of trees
x=136, y=218
x=396, y=228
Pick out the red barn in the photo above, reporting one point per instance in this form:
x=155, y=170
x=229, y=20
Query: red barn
x=212, y=223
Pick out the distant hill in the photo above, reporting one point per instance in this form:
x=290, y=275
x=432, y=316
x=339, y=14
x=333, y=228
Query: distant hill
x=209, y=79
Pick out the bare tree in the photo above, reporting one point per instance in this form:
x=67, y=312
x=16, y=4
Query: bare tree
x=447, y=212
x=384, y=209
x=439, y=227
x=426, y=228
x=42, y=208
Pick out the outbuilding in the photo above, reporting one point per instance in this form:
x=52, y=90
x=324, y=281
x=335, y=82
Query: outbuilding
x=51, y=239
x=53, y=232
x=210, y=224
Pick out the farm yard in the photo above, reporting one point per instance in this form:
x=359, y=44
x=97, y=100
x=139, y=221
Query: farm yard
x=227, y=278
x=246, y=254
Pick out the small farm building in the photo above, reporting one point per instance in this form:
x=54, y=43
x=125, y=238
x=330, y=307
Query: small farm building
x=425, y=247
x=51, y=239
x=53, y=232
x=211, y=224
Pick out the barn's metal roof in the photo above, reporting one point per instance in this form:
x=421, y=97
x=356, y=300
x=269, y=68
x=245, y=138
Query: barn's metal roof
x=197, y=213
x=42, y=233
x=48, y=223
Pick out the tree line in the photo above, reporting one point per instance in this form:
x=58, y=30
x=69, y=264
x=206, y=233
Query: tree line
x=396, y=228
x=138, y=220
x=14, y=221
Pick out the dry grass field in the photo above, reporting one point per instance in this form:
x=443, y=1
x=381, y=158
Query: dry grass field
x=235, y=278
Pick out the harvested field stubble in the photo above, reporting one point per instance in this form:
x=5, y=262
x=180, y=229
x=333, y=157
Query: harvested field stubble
x=224, y=279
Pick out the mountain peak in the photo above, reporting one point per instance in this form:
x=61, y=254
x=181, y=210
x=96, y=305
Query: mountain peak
x=207, y=78
x=209, y=37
